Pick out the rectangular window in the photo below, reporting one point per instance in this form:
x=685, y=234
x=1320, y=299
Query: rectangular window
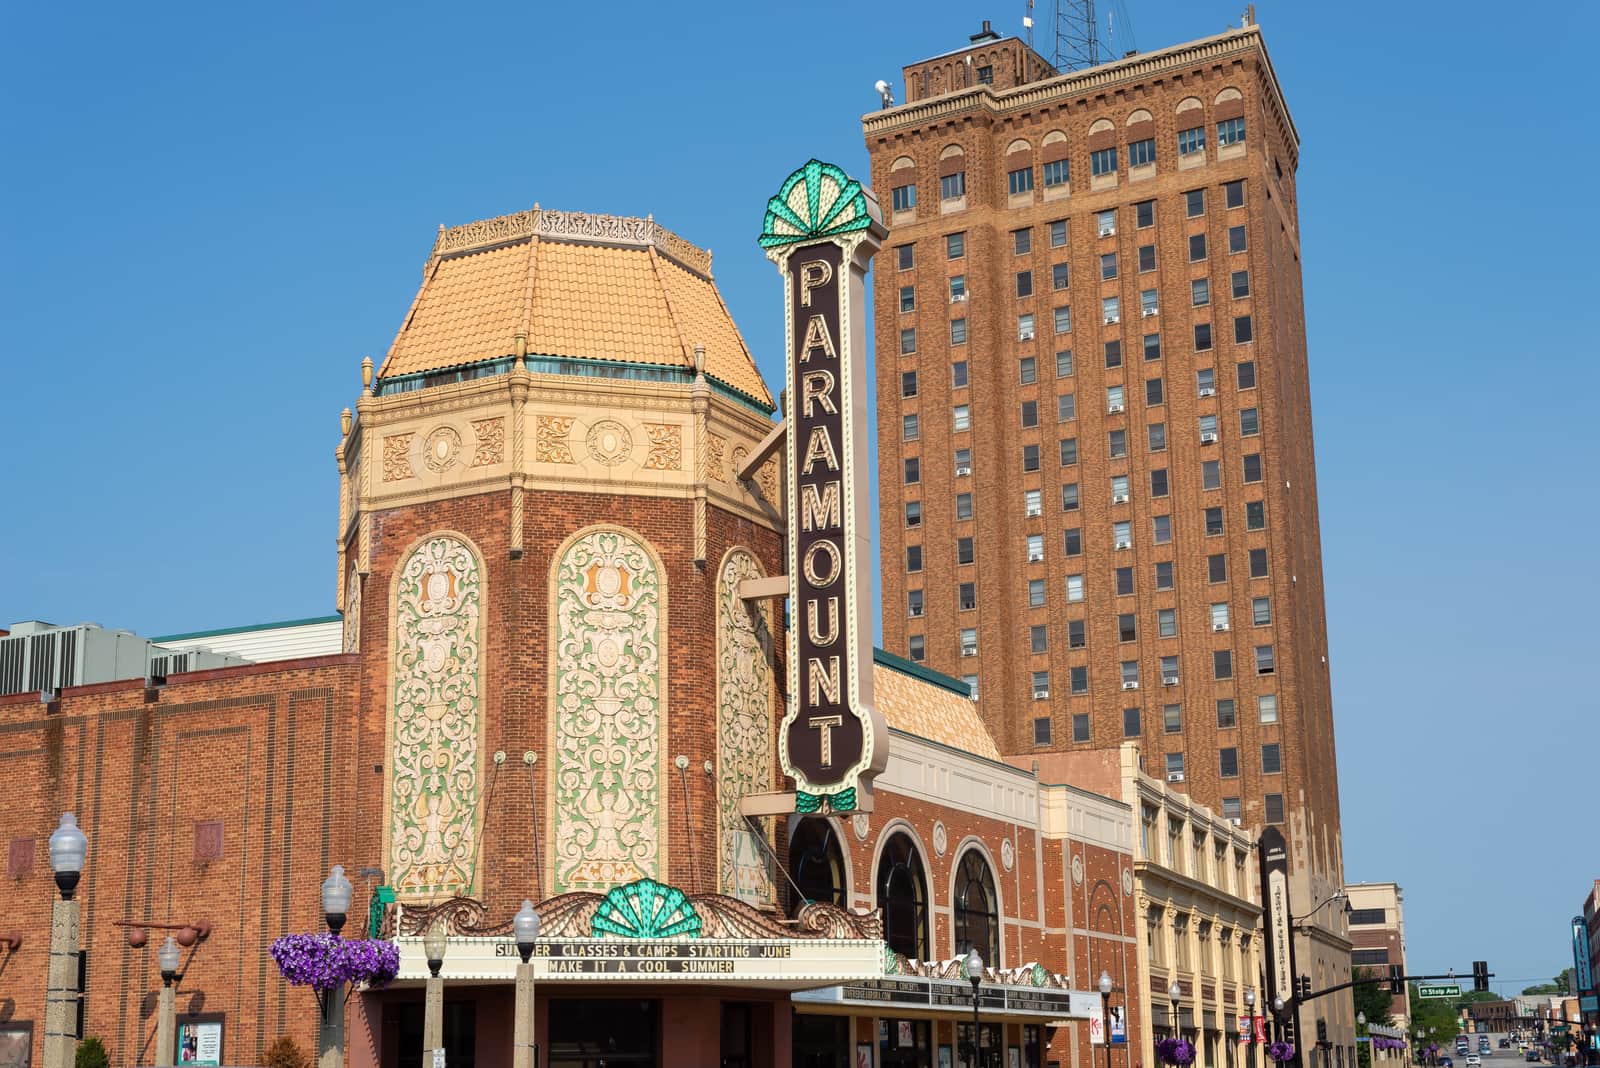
x=1059, y=275
x=1267, y=708
x=969, y=641
x=905, y=257
x=1258, y=563
x=1221, y=664
x=1147, y=258
x=1211, y=474
x=1169, y=671
x=913, y=558
x=1072, y=541
x=1066, y=408
x=1080, y=726
x=1200, y=292
x=1019, y=181
x=1261, y=611
x=908, y=340
x=1130, y=673
x=1205, y=381
x=1064, y=363
x=1022, y=241
x=1030, y=415
x=914, y=603
x=1103, y=161
x=1369, y=918
x=958, y=331
x=964, y=550
x=972, y=685
x=1163, y=529
x=1240, y=280
x=1158, y=482
x=1243, y=332
x=1247, y=374
x=1144, y=214
x=1194, y=203
x=1164, y=574
x=1127, y=628
x=1154, y=391
x=1152, y=347
x=1030, y=458
x=958, y=374
x=1157, y=433
x=1237, y=241
x=913, y=470
x=1175, y=770
x=1111, y=309
x=1213, y=522
x=1055, y=173
x=1249, y=422
x=1036, y=593
x=985, y=75
x=1074, y=589
x=1035, y=541
x=1039, y=638
x=1131, y=727
x=1255, y=515
x=1141, y=152
x=1118, y=444
x=1202, y=337
x=958, y=288
x=1124, y=580
x=1069, y=451
x=1069, y=497
x=1231, y=132
x=953, y=186
x=1234, y=191
x=1113, y=353
x=1264, y=660
x=1271, y=759
x=1078, y=678
x=909, y=430
x=1061, y=320
x=917, y=647
x=1119, y=489
x=1226, y=716
x=1075, y=640
x=1058, y=231
x=1025, y=327
x=1217, y=567
x=1228, y=763
x=904, y=197
x=913, y=513
x=961, y=417
x=1108, y=266
x=1024, y=283
x=1197, y=247
x=963, y=502
x=1041, y=730
x=1219, y=616
x=1252, y=467
x=1231, y=809
x=1106, y=222
x=1149, y=304
x=1167, y=622
x=1028, y=369
x=955, y=246
x=1191, y=141
x=1172, y=718
x=908, y=298
x=1114, y=400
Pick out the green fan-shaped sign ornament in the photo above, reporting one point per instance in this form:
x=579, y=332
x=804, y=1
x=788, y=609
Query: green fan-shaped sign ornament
x=645, y=909
x=818, y=200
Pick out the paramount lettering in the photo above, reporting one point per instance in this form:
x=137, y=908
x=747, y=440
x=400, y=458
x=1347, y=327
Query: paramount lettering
x=824, y=680
x=819, y=507
x=817, y=337
x=819, y=448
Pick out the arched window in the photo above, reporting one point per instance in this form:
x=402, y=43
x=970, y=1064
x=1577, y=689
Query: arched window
x=977, y=908
x=903, y=897
x=816, y=864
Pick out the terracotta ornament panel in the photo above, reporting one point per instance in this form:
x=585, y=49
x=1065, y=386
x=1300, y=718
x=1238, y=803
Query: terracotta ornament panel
x=491, y=447
x=666, y=447
x=744, y=731
x=550, y=445
x=608, y=798
x=397, y=457
x=435, y=720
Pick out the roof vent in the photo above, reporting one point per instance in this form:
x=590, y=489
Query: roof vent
x=985, y=34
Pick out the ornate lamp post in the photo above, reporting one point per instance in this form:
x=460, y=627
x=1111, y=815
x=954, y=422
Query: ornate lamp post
x=1105, y=1014
x=336, y=894
x=1175, y=992
x=1361, y=1028
x=167, y=957
x=68, y=848
x=434, y=943
x=975, y=976
x=1250, y=1014
x=525, y=1054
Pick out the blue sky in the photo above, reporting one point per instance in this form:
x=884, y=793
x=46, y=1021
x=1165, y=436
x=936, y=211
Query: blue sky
x=213, y=213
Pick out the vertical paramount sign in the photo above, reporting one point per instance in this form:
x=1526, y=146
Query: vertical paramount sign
x=821, y=230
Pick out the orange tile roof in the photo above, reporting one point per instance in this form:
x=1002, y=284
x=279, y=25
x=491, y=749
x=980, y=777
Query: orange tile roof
x=932, y=712
x=602, y=288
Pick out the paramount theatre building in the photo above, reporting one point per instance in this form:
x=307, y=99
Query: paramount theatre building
x=570, y=518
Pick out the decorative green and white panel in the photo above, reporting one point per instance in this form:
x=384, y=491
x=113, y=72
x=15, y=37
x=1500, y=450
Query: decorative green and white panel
x=744, y=731
x=607, y=792
x=435, y=721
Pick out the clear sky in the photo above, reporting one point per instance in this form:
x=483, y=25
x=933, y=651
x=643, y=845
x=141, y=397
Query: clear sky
x=213, y=212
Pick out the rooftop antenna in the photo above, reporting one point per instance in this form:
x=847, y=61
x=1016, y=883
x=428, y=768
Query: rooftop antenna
x=885, y=93
x=1027, y=23
x=1077, y=35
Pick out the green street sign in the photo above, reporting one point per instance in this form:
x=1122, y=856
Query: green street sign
x=1441, y=990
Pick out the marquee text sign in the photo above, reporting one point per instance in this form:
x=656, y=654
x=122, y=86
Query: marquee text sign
x=822, y=229
x=944, y=994
x=775, y=961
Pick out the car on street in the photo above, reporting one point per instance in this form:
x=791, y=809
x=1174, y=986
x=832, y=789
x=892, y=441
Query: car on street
x=1531, y=1055
x=1474, y=1061
x=1446, y=1062
x=1483, y=1043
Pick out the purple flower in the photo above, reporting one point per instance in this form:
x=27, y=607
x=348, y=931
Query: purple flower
x=1175, y=1051
x=326, y=962
x=1282, y=1052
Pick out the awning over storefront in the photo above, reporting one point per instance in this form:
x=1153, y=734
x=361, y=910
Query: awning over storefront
x=904, y=996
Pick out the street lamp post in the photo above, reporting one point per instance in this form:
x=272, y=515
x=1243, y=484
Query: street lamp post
x=1175, y=991
x=975, y=976
x=336, y=895
x=168, y=958
x=433, y=946
x=1105, y=1014
x=68, y=848
x=1361, y=1027
x=525, y=1054
x=1250, y=1013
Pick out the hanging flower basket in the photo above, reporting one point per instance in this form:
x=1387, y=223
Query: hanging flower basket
x=1282, y=1052
x=1175, y=1051
x=325, y=962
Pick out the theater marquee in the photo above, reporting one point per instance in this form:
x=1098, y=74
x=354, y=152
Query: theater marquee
x=822, y=230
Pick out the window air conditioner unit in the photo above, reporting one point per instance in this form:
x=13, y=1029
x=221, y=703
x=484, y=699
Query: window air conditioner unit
x=1112, y=319
x=1107, y=231
x=963, y=470
x=1041, y=695
x=1033, y=511
x=1169, y=680
x=916, y=613
x=1119, y=498
x=1113, y=409
x=1034, y=558
x=969, y=650
x=1237, y=822
x=1024, y=335
x=958, y=298
x=1208, y=439
x=1130, y=685
x=1121, y=545
x=1219, y=627
x=1208, y=392
x=1149, y=312
x=1174, y=776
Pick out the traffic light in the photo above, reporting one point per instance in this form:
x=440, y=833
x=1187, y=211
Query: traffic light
x=1397, y=980
x=1302, y=987
x=1480, y=975
x=1322, y=1032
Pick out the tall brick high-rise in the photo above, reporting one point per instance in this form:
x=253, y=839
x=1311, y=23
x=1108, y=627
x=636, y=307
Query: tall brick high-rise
x=1096, y=476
